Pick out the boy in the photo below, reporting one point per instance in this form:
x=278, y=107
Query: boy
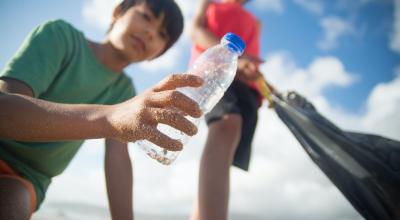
x=61, y=88
x=233, y=120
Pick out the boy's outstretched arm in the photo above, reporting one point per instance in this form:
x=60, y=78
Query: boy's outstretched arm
x=119, y=180
x=29, y=119
x=199, y=32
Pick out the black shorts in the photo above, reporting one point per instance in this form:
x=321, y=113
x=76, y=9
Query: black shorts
x=243, y=100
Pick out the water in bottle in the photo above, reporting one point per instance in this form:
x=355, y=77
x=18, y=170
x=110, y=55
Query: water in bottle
x=217, y=67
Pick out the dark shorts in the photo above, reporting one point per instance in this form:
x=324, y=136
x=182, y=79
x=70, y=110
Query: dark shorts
x=243, y=100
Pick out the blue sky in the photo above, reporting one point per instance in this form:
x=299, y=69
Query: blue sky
x=343, y=55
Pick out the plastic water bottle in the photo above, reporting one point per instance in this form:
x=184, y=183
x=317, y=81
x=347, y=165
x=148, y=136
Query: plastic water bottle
x=217, y=67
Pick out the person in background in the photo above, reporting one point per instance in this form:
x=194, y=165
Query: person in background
x=61, y=88
x=233, y=120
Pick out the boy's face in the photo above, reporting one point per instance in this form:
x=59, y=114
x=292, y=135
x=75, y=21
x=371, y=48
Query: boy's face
x=138, y=34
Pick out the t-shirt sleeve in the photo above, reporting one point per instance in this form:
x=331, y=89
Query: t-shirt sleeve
x=39, y=58
x=122, y=90
x=253, y=41
x=127, y=93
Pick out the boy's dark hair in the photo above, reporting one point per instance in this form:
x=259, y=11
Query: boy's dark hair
x=173, y=18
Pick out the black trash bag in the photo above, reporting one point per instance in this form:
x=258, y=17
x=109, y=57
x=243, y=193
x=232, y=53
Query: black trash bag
x=364, y=167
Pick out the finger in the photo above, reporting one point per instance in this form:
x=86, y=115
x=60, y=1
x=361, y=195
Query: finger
x=175, y=120
x=178, y=80
x=158, y=138
x=175, y=99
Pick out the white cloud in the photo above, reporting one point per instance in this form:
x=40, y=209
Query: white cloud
x=395, y=36
x=334, y=28
x=269, y=5
x=187, y=8
x=314, y=6
x=384, y=108
x=323, y=72
x=98, y=13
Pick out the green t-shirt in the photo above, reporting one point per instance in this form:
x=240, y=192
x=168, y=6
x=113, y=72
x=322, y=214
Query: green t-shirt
x=56, y=62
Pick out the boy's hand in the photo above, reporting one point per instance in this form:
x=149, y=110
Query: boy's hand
x=137, y=118
x=247, y=69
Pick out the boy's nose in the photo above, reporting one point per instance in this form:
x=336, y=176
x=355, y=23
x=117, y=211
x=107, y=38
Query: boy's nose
x=149, y=32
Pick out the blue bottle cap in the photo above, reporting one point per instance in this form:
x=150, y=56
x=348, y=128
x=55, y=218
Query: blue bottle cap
x=235, y=42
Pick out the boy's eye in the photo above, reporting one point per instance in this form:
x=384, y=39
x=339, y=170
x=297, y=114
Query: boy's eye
x=145, y=16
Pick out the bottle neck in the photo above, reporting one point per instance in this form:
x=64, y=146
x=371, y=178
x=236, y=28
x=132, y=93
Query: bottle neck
x=232, y=47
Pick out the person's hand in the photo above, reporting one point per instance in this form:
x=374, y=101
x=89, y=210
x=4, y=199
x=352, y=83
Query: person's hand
x=137, y=118
x=247, y=69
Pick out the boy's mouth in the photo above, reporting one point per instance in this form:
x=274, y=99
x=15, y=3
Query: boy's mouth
x=138, y=42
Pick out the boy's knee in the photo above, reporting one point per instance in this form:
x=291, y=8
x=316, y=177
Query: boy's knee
x=224, y=135
x=231, y=123
x=15, y=200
